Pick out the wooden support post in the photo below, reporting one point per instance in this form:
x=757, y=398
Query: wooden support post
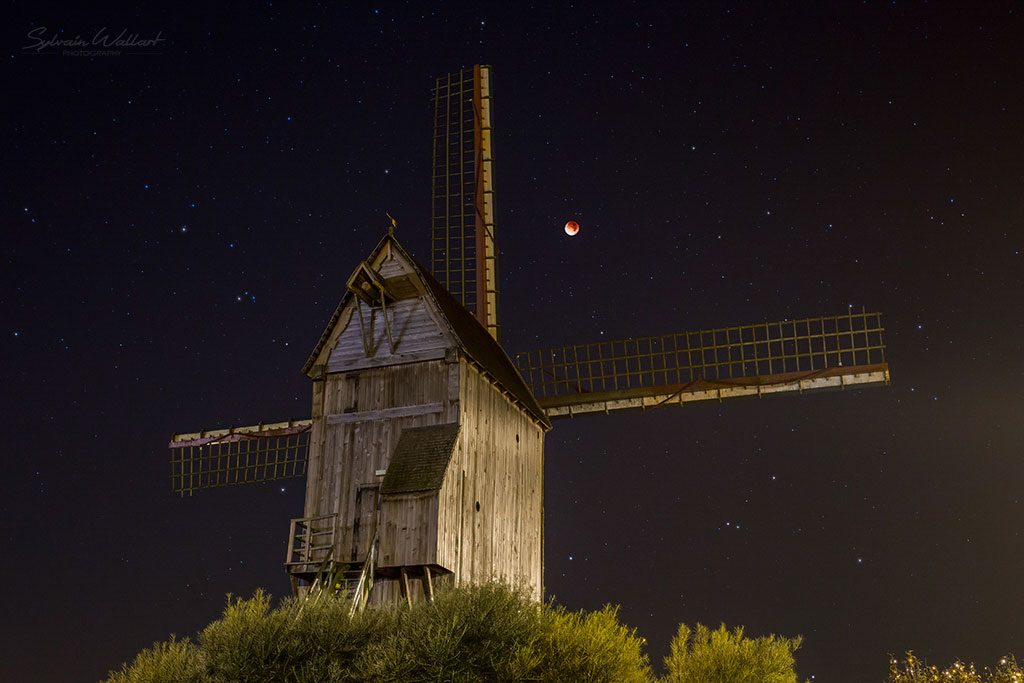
x=405, y=587
x=368, y=348
x=291, y=543
x=387, y=322
x=428, y=584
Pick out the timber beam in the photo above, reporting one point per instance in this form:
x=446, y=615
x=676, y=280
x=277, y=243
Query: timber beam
x=704, y=390
x=236, y=433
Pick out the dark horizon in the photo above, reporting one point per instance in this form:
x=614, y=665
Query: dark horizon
x=182, y=217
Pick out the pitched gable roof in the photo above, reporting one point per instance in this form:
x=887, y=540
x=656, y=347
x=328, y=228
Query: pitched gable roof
x=471, y=336
x=420, y=459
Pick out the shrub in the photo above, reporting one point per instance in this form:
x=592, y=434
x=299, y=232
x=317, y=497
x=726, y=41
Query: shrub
x=494, y=633
x=175, y=661
x=473, y=633
x=249, y=643
x=723, y=656
x=298, y=641
x=576, y=646
x=332, y=642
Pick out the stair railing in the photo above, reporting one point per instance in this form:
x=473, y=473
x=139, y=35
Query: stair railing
x=361, y=594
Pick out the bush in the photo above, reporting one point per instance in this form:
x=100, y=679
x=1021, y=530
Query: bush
x=299, y=641
x=576, y=646
x=493, y=633
x=723, y=656
x=489, y=632
x=913, y=670
x=473, y=633
x=176, y=661
x=332, y=642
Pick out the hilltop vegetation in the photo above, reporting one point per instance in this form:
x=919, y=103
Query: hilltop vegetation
x=479, y=633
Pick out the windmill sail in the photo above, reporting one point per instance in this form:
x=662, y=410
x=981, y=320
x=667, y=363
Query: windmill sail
x=747, y=360
x=239, y=455
x=463, y=254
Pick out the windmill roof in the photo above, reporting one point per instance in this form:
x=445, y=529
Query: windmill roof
x=420, y=459
x=471, y=336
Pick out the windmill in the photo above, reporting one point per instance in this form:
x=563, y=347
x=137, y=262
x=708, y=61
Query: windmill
x=424, y=451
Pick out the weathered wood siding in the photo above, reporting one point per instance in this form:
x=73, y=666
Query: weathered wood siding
x=416, y=335
x=391, y=266
x=358, y=425
x=491, y=502
x=408, y=527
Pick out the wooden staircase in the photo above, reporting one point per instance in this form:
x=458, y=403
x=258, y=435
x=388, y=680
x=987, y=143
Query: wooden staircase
x=314, y=571
x=351, y=581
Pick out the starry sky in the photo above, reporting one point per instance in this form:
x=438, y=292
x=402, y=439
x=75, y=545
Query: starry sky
x=179, y=221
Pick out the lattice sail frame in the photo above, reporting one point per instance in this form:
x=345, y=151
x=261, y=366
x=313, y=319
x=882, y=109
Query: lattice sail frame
x=240, y=455
x=463, y=253
x=790, y=355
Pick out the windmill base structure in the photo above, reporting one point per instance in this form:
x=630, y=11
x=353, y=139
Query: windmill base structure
x=426, y=446
x=424, y=452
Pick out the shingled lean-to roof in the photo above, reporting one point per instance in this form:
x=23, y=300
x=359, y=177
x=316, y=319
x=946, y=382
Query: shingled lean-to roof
x=472, y=337
x=420, y=459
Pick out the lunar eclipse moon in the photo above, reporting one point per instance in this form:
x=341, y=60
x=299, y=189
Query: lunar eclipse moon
x=571, y=228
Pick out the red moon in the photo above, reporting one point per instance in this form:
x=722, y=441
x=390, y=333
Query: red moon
x=571, y=228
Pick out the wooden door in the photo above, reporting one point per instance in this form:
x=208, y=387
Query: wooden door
x=364, y=526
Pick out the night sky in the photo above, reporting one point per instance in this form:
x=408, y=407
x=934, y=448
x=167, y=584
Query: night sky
x=179, y=225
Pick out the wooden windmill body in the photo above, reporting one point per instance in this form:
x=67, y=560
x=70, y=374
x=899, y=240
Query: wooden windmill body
x=426, y=446
x=424, y=454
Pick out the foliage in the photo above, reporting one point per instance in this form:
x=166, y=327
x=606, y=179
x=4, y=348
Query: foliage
x=576, y=646
x=468, y=634
x=721, y=656
x=174, y=661
x=255, y=643
x=914, y=670
x=489, y=632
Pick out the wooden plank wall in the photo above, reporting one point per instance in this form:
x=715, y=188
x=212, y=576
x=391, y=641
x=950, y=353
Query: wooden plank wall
x=491, y=502
x=352, y=441
x=414, y=331
x=392, y=266
x=408, y=530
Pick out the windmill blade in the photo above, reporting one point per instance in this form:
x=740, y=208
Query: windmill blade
x=463, y=256
x=828, y=352
x=239, y=455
